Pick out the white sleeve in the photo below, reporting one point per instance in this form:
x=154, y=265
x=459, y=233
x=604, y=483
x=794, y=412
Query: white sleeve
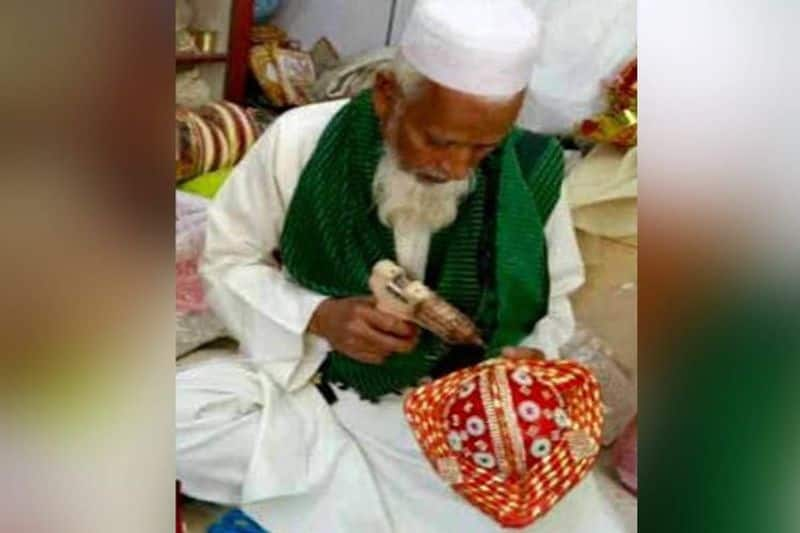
x=566, y=275
x=261, y=307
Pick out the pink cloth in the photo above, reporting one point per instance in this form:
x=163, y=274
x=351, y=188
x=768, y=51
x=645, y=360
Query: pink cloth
x=195, y=323
x=625, y=457
x=190, y=227
x=189, y=297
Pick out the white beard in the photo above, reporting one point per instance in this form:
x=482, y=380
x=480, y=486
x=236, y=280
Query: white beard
x=414, y=210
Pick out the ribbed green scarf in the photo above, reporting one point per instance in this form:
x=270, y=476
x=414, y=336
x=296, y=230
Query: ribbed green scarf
x=332, y=237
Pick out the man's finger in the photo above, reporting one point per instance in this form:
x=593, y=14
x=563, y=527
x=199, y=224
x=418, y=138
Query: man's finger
x=389, y=324
x=380, y=342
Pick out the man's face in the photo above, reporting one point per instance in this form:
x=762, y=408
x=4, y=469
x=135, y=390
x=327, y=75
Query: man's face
x=440, y=134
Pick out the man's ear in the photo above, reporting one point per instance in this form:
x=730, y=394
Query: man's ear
x=385, y=95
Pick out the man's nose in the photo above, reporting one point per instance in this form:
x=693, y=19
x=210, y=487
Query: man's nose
x=457, y=163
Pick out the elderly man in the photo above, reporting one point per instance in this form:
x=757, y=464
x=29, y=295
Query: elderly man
x=306, y=430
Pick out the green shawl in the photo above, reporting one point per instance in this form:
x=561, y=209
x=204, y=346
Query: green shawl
x=332, y=237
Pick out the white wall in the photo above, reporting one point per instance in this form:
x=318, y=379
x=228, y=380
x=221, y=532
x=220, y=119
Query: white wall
x=353, y=26
x=403, y=10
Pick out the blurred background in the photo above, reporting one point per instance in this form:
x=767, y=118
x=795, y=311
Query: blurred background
x=88, y=313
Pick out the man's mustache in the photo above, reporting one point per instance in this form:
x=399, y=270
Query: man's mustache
x=436, y=175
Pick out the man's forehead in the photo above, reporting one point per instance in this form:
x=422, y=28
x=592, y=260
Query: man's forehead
x=457, y=116
x=474, y=136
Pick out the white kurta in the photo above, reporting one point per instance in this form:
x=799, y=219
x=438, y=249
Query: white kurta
x=254, y=431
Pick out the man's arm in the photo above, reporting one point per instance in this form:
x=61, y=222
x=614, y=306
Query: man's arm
x=264, y=311
x=284, y=327
x=566, y=275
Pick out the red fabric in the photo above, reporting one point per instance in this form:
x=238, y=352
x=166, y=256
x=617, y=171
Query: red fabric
x=511, y=436
x=179, y=528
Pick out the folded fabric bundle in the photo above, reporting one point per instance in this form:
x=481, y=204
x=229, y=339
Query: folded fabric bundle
x=602, y=191
x=211, y=137
x=324, y=55
x=195, y=323
x=284, y=72
x=353, y=75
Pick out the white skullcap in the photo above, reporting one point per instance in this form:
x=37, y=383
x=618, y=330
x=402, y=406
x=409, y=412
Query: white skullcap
x=484, y=47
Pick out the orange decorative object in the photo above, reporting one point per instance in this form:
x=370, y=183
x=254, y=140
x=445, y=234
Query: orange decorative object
x=618, y=124
x=512, y=436
x=211, y=137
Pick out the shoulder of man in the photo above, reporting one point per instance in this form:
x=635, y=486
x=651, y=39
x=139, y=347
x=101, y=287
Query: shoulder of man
x=532, y=147
x=289, y=141
x=305, y=124
x=541, y=159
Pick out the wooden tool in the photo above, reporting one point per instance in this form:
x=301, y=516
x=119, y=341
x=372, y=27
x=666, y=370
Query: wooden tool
x=399, y=295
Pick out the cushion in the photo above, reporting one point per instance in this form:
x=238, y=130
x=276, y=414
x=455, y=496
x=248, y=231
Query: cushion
x=214, y=136
x=195, y=323
x=512, y=436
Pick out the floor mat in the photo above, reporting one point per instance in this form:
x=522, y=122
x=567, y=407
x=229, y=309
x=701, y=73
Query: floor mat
x=236, y=521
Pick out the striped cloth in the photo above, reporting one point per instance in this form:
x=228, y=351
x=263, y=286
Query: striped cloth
x=332, y=238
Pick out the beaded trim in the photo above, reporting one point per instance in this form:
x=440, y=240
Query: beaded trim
x=514, y=432
x=491, y=417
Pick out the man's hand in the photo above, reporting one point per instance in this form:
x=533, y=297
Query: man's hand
x=519, y=352
x=356, y=328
